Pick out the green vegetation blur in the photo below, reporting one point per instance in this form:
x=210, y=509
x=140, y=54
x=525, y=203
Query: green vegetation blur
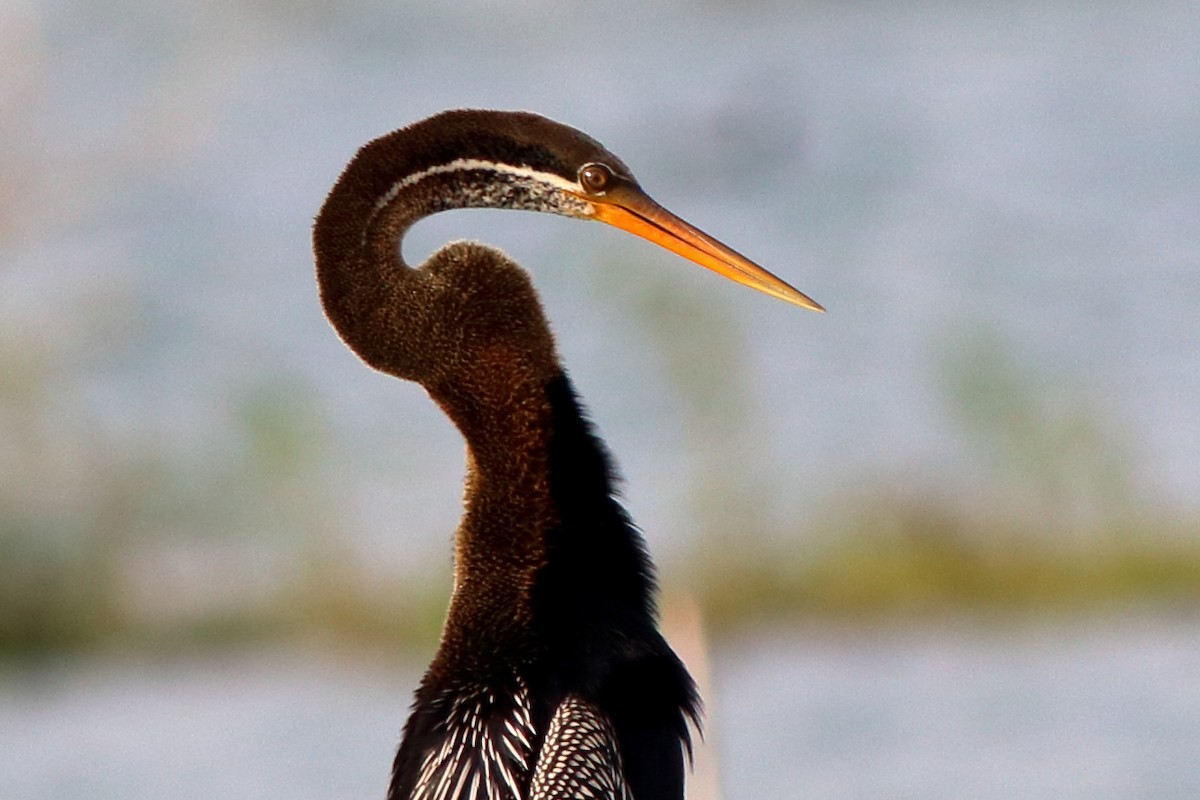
x=109, y=543
x=1053, y=519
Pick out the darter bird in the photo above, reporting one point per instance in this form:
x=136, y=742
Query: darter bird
x=552, y=679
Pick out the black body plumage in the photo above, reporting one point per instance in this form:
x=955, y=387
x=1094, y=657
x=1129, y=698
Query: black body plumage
x=589, y=701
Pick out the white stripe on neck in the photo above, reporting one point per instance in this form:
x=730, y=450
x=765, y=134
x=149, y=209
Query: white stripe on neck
x=465, y=164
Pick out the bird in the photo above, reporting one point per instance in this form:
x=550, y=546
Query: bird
x=551, y=679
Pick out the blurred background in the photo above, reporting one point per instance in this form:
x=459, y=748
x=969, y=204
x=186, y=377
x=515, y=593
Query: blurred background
x=943, y=541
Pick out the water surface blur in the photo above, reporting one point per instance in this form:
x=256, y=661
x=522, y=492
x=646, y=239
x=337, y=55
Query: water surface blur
x=1081, y=711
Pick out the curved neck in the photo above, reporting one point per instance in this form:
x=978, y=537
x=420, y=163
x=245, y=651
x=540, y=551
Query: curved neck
x=370, y=295
x=391, y=184
x=544, y=548
x=468, y=326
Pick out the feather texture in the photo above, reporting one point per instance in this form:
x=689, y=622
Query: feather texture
x=485, y=748
x=580, y=758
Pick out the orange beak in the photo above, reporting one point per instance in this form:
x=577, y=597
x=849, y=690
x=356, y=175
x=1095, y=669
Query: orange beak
x=630, y=209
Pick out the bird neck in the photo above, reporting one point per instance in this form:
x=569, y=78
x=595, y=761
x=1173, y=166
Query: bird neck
x=366, y=288
x=541, y=526
x=545, y=552
x=508, y=503
x=372, y=298
x=500, y=543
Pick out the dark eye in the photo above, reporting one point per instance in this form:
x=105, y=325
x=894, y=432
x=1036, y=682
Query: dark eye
x=595, y=178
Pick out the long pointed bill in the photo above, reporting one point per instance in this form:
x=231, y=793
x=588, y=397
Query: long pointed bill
x=633, y=211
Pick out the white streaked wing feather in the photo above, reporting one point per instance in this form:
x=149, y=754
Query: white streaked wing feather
x=579, y=758
x=485, y=753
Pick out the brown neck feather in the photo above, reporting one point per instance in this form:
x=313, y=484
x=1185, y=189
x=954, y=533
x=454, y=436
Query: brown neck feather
x=467, y=325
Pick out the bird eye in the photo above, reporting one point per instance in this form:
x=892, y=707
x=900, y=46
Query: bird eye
x=595, y=178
